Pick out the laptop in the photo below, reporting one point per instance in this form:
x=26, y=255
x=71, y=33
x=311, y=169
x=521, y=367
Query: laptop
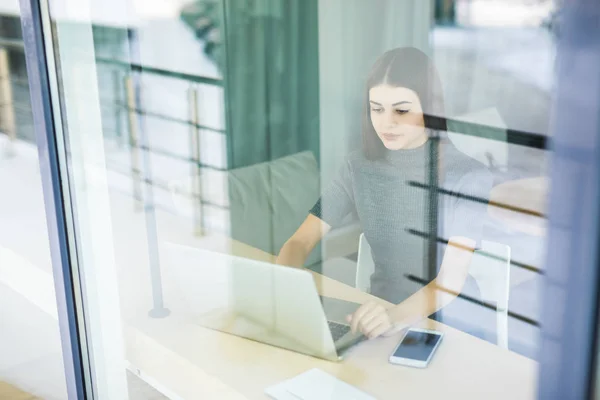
x=261, y=301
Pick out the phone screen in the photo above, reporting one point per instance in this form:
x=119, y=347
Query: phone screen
x=417, y=345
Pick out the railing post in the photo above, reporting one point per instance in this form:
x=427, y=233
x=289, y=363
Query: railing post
x=117, y=82
x=134, y=148
x=7, y=105
x=196, y=172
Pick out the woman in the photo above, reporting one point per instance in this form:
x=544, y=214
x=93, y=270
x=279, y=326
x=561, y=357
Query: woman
x=382, y=186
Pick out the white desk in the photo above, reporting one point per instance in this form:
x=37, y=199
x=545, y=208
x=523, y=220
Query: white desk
x=190, y=362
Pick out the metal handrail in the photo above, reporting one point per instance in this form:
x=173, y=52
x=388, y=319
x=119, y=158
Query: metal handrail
x=166, y=117
x=13, y=44
x=504, y=135
x=444, y=241
x=161, y=72
x=510, y=136
x=133, y=111
x=164, y=185
x=490, y=306
x=476, y=199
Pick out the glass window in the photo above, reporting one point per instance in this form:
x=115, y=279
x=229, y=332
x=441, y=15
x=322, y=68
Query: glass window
x=31, y=363
x=261, y=188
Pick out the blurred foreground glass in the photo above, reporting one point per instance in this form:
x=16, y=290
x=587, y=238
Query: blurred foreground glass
x=214, y=129
x=31, y=364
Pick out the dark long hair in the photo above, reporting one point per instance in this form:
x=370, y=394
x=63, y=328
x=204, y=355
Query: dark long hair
x=410, y=68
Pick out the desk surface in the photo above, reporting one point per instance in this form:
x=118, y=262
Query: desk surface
x=10, y=392
x=187, y=361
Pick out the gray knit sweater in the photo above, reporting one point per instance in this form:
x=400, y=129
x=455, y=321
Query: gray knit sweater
x=379, y=195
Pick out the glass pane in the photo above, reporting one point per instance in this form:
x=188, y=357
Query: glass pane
x=31, y=363
x=394, y=152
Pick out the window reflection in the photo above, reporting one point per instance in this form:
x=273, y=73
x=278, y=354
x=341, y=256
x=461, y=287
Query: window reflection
x=393, y=152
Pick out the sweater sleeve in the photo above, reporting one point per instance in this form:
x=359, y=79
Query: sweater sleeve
x=337, y=199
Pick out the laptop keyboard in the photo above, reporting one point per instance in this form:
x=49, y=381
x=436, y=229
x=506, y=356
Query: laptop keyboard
x=337, y=330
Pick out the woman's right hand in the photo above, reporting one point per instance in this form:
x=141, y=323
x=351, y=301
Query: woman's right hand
x=371, y=319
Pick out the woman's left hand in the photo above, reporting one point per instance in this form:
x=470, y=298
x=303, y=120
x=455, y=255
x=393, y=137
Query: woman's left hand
x=371, y=319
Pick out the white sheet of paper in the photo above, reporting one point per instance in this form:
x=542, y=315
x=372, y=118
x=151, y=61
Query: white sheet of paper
x=279, y=392
x=316, y=385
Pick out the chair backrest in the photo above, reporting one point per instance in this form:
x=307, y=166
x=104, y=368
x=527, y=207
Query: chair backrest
x=265, y=202
x=364, y=265
x=490, y=267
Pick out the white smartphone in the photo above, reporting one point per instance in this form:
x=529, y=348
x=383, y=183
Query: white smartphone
x=416, y=348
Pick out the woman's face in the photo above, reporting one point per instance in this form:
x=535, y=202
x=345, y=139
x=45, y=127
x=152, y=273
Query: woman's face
x=397, y=117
